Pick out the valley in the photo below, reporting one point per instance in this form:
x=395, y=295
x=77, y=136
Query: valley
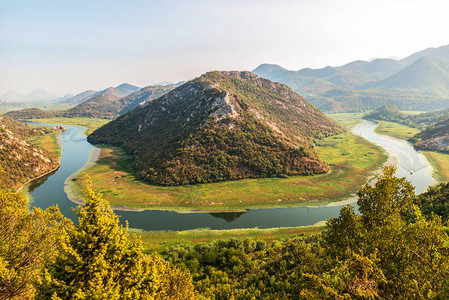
x=224, y=150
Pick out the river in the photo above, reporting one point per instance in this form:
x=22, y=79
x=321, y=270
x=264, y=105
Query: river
x=49, y=190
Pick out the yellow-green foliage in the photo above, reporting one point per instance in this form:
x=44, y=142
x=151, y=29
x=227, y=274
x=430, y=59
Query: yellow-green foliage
x=26, y=239
x=97, y=261
x=389, y=251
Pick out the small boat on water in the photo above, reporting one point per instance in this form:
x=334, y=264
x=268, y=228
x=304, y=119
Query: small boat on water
x=411, y=172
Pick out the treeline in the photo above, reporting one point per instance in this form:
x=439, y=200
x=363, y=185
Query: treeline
x=392, y=114
x=390, y=250
x=45, y=256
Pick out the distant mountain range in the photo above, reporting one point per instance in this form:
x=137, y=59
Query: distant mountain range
x=36, y=95
x=40, y=95
x=221, y=126
x=417, y=82
x=108, y=103
x=120, y=91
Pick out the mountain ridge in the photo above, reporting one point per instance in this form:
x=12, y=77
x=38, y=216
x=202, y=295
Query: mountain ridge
x=371, y=84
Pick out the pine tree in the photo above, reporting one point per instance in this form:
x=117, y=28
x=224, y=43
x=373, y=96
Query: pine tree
x=97, y=261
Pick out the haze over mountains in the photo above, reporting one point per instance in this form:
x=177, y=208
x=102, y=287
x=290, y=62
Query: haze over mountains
x=120, y=91
x=40, y=95
x=36, y=95
x=221, y=126
x=417, y=82
x=108, y=103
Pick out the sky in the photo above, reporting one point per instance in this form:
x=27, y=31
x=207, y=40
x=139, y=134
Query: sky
x=68, y=46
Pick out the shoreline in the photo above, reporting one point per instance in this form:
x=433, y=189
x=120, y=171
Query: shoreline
x=40, y=176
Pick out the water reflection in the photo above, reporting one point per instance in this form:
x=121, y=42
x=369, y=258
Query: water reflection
x=228, y=216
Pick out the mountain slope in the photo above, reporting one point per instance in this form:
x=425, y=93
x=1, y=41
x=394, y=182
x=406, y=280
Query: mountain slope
x=427, y=76
x=417, y=82
x=21, y=160
x=441, y=53
x=145, y=94
x=105, y=105
x=125, y=89
x=36, y=95
x=122, y=90
x=221, y=126
x=434, y=137
x=79, y=98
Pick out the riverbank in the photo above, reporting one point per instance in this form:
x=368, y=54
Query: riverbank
x=23, y=188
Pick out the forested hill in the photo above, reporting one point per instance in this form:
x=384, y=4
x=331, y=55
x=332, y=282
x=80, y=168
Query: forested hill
x=221, y=126
x=434, y=137
x=21, y=160
x=145, y=94
x=393, y=114
x=106, y=105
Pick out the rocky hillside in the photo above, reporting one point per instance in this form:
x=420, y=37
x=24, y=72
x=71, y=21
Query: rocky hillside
x=146, y=94
x=21, y=160
x=434, y=137
x=221, y=126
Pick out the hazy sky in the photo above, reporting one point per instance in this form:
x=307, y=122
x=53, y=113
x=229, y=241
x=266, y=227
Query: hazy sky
x=71, y=46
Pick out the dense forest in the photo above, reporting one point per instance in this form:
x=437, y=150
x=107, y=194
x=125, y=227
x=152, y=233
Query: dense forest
x=394, y=248
x=392, y=114
x=221, y=126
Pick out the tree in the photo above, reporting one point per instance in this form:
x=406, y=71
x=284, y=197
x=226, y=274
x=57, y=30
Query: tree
x=26, y=239
x=97, y=261
x=390, y=197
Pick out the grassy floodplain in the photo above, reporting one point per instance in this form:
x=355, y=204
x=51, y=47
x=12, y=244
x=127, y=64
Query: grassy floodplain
x=351, y=159
x=440, y=164
x=396, y=130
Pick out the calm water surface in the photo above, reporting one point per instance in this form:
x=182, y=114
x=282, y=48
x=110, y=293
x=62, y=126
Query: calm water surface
x=49, y=191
